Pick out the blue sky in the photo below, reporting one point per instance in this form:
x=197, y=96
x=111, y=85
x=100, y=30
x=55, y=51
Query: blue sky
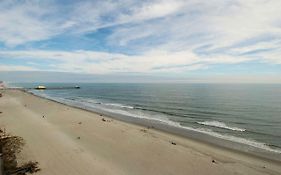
x=172, y=38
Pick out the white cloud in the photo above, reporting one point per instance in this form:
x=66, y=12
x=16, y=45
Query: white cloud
x=225, y=22
x=102, y=62
x=4, y=67
x=152, y=10
x=273, y=57
x=273, y=45
x=165, y=35
x=21, y=23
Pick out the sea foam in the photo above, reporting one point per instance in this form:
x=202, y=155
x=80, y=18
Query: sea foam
x=119, y=105
x=221, y=125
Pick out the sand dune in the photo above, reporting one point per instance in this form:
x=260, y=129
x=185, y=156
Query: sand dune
x=70, y=141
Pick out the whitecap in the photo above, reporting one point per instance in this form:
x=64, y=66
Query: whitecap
x=221, y=125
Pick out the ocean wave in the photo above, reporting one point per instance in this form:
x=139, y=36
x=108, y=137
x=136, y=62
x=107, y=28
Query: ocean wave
x=210, y=132
x=245, y=141
x=94, y=101
x=119, y=105
x=241, y=140
x=221, y=125
x=87, y=100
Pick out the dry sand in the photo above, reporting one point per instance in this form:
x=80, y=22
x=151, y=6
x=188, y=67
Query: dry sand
x=69, y=141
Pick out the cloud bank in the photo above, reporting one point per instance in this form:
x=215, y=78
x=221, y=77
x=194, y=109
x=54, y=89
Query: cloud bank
x=129, y=36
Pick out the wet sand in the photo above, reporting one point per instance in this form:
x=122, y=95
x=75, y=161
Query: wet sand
x=67, y=140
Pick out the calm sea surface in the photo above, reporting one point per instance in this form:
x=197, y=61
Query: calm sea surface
x=249, y=114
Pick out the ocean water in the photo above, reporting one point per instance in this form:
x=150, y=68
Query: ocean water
x=243, y=113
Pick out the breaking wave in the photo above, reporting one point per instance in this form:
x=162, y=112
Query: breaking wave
x=221, y=125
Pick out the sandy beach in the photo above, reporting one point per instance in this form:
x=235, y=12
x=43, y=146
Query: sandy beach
x=66, y=140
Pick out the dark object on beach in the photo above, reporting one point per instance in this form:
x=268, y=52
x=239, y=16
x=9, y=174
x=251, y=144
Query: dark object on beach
x=80, y=123
x=143, y=130
x=43, y=116
x=1, y=95
x=100, y=114
x=78, y=137
x=213, y=161
x=105, y=120
x=1, y=112
x=25, y=105
x=173, y=143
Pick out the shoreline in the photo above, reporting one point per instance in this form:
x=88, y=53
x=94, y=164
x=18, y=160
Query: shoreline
x=62, y=124
x=179, y=131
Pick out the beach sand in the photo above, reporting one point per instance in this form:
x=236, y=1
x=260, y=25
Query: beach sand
x=69, y=141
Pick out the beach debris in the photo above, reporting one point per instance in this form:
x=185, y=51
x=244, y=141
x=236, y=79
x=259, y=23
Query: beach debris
x=173, y=143
x=1, y=112
x=43, y=116
x=78, y=137
x=213, y=161
x=80, y=123
x=105, y=120
x=143, y=130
